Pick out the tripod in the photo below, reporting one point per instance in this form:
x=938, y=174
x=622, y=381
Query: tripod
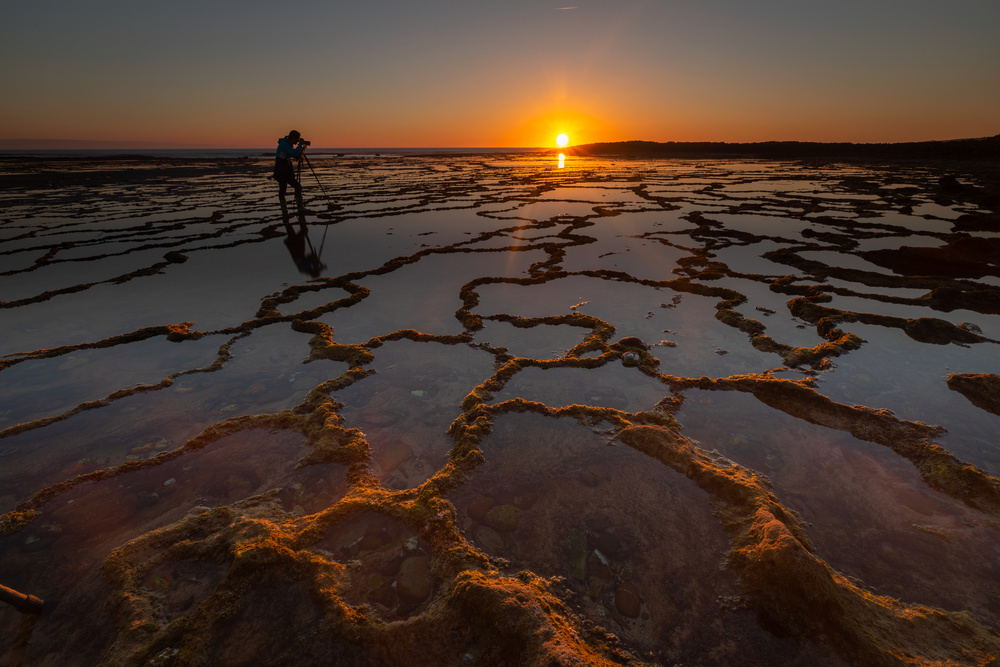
x=326, y=228
x=303, y=158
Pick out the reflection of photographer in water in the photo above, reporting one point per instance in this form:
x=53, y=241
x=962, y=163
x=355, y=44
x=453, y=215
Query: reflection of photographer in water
x=297, y=243
x=289, y=148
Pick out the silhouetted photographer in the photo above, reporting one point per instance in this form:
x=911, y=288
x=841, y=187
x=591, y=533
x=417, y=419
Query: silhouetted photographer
x=289, y=148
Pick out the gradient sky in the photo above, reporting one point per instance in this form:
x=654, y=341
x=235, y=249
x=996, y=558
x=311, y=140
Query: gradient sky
x=390, y=73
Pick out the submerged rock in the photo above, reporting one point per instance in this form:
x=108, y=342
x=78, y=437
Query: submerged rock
x=982, y=389
x=627, y=601
x=504, y=518
x=938, y=332
x=488, y=539
x=964, y=256
x=414, y=584
x=632, y=341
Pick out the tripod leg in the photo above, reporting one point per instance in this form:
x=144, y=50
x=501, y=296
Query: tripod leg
x=326, y=195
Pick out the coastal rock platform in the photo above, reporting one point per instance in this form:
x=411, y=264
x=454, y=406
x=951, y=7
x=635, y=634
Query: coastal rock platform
x=499, y=410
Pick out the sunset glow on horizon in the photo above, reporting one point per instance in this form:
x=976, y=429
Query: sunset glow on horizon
x=226, y=74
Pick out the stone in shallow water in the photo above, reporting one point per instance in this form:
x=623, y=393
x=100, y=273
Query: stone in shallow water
x=504, y=518
x=631, y=359
x=414, y=585
x=982, y=389
x=632, y=341
x=627, y=601
x=372, y=540
x=488, y=539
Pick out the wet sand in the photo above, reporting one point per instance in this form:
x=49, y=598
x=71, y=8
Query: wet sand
x=623, y=411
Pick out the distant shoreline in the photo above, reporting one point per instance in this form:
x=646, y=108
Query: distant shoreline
x=985, y=148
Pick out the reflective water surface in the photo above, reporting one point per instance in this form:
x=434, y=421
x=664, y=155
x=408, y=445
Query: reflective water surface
x=500, y=410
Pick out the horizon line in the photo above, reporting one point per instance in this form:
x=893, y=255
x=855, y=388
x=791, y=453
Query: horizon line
x=98, y=144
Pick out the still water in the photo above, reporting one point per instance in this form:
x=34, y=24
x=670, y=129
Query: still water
x=496, y=410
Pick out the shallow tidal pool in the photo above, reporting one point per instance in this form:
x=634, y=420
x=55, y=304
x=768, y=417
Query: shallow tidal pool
x=494, y=410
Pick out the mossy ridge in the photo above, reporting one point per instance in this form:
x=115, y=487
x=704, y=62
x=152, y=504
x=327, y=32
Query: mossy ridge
x=269, y=305
x=15, y=520
x=315, y=417
x=600, y=331
x=418, y=337
x=943, y=294
x=838, y=342
x=322, y=345
x=429, y=496
x=249, y=539
x=535, y=626
x=21, y=515
x=86, y=405
x=259, y=545
x=921, y=329
x=150, y=270
x=484, y=391
x=175, y=333
x=927, y=330
x=335, y=444
x=222, y=356
x=913, y=441
x=817, y=356
x=794, y=590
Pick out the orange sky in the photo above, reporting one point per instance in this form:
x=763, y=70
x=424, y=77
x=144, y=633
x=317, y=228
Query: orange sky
x=449, y=73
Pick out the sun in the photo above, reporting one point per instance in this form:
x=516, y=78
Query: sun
x=562, y=140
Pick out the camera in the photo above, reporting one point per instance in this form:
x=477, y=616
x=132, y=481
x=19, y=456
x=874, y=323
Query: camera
x=305, y=143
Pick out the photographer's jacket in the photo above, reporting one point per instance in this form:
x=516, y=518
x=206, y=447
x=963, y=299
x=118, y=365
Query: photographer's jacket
x=286, y=151
x=283, y=171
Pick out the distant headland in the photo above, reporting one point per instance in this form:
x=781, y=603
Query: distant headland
x=983, y=148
